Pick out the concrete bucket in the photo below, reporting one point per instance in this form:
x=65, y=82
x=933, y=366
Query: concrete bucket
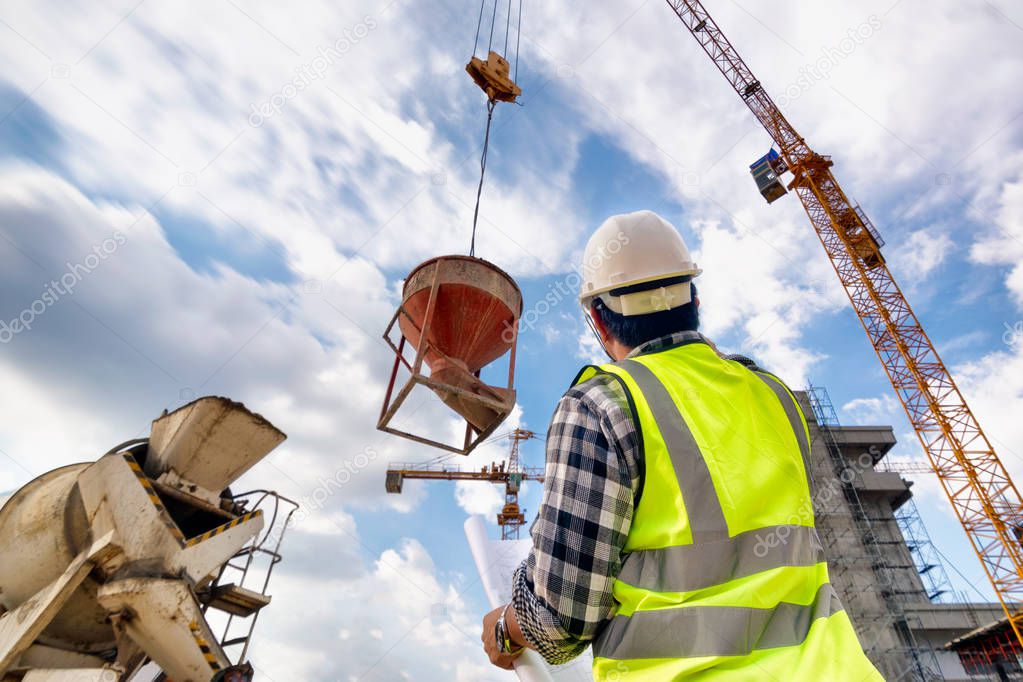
x=460, y=314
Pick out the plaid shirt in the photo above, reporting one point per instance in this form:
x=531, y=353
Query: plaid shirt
x=562, y=591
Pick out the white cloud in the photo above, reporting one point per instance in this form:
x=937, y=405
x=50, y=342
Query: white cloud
x=742, y=288
x=184, y=108
x=550, y=332
x=402, y=621
x=181, y=333
x=872, y=411
x=1004, y=245
x=476, y=497
x=993, y=386
x=922, y=253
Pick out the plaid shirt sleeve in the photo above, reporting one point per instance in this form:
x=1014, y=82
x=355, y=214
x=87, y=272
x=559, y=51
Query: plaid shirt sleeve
x=562, y=591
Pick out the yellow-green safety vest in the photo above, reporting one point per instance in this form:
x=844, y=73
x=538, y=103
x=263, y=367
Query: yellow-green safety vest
x=724, y=577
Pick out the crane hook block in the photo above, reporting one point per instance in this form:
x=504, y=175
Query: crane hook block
x=494, y=77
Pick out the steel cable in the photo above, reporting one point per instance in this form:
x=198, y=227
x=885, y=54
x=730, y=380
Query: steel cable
x=483, y=170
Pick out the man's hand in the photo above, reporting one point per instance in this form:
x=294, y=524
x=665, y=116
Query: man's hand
x=490, y=643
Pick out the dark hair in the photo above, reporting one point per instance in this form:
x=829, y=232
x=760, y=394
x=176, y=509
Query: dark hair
x=638, y=329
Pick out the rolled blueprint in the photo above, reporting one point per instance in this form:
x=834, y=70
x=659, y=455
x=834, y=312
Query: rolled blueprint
x=496, y=561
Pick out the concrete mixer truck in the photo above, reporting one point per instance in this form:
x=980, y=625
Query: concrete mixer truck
x=110, y=565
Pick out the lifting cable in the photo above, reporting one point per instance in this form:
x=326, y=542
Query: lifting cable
x=483, y=169
x=507, y=26
x=493, y=23
x=518, y=39
x=493, y=18
x=495, y=82
x=479, y=22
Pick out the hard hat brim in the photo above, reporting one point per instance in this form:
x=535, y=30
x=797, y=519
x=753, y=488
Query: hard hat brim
x=586, y=299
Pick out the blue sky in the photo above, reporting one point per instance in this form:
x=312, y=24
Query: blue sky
x=262, y=255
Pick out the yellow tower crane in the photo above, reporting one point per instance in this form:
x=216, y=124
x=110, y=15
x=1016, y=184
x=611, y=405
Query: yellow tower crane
x=511, y=473
x=984, y=498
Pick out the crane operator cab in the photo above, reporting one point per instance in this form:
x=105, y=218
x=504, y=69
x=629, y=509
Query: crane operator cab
x=765, y=172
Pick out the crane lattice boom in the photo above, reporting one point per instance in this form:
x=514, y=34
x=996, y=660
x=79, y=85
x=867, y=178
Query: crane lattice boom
x=976, y=482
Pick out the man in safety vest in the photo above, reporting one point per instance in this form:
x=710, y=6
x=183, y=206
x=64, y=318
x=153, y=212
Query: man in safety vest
x=676, y=532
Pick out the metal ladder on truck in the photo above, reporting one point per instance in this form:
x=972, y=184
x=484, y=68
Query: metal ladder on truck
x=240, y=589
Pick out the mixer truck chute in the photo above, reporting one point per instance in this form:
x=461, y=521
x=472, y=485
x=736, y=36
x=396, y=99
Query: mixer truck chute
x=107, y=565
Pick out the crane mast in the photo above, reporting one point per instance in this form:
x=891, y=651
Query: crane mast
x=984, y=498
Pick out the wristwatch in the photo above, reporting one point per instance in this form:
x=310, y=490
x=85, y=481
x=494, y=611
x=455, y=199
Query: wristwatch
x=502, y=636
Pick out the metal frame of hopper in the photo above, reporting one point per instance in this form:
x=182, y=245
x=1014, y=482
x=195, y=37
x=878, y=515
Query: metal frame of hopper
x=390, y=408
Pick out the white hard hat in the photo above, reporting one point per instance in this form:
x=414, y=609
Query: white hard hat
x=629, y=251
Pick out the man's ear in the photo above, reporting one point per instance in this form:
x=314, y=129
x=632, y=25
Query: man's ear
x=598, y=323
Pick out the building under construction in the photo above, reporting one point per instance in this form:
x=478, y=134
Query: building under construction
x=880, y=557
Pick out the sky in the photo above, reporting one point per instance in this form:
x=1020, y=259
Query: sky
x=234, y=190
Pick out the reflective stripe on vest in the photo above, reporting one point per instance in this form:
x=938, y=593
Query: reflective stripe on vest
x=684, y=568
x=689, y=589
x=706, y=519
x=714, y=630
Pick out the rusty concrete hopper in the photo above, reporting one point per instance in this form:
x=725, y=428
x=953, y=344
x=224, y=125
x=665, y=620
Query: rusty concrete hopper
x=458, y=314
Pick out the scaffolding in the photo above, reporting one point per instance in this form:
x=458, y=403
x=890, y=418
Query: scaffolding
x=925, y=556
x=868, y=576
